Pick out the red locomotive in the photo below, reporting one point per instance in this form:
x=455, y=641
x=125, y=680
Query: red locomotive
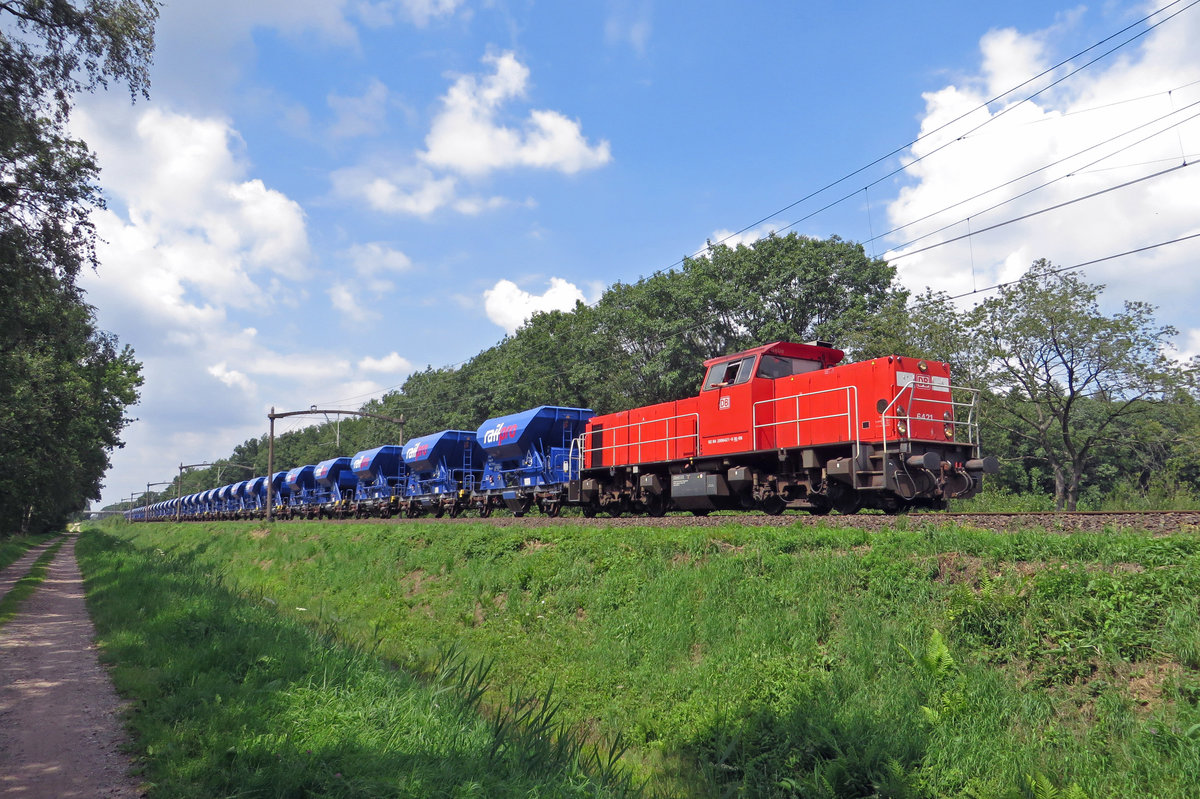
x=782, y=426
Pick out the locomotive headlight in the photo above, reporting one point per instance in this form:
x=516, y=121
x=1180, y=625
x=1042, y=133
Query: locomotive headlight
x=948, y=430
x=902, y=428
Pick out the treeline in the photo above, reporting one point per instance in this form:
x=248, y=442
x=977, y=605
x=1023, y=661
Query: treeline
x=1108, y=411
x=64, y=383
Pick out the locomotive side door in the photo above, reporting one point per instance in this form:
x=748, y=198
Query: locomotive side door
x=726, y=407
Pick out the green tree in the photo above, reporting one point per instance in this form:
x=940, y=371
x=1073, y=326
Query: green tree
x=644, y=342
x=793, y=287
x=1069, y=379
x=64, y=385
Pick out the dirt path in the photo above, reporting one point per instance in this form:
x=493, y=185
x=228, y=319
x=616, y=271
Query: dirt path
x=11, y=574
x=59, y=731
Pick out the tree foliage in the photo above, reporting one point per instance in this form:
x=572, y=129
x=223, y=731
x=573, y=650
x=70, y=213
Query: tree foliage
x=642, y=343
x=1071, y=379
x=1074, y=401
x=65, y=384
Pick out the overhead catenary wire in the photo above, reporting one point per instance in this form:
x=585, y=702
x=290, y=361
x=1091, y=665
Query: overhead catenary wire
x=1076, y=171
x=917, y=306
x=981, y=106
x=1073, y=267
x=1041, y=211
x=918, y=139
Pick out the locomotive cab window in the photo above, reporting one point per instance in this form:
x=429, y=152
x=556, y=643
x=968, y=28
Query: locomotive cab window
x=729, y=373
x=777, y=366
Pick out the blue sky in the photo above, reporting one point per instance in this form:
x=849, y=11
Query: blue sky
x=323, y=195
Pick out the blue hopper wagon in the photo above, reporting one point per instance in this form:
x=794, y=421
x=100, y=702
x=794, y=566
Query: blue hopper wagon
x=528, y=458
x=207, y=503
x=242, y=504
x=256, y=497
x=224, y=502
x=335, y=486
x=381, y=473
x=303, y=488
x=281, y=492
x=443, y=471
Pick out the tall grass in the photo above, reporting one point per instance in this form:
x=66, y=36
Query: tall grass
x=780, y=662
x=233, y=699
x=1160, y=494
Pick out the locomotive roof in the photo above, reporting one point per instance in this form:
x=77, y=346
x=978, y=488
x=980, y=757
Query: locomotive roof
x=827, y=355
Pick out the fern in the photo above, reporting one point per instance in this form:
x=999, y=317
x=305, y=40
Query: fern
x=1039, y=786
x=938, y=661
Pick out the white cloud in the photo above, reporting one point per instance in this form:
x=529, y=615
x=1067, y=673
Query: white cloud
x=190, y=208
x=373, y=263
x=466, y=137
x=189, y=243
x=629, y=26
x=376, y=258
x=1045, y=134
x=1010, y=58
x=419, y=12
x=509, y=306
x=231, y=377
x=412, y=191
x=392, y=363
x=467, y=140
x=360, y=116
x=346, y=301
x=1191, y=345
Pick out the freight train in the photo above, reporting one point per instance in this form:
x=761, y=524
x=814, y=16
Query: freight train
x=781, y=426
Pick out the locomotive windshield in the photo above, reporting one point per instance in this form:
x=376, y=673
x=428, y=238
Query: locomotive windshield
x=729, y=373
x=776, y=366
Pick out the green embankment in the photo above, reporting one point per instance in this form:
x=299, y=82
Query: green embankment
x=928, y=661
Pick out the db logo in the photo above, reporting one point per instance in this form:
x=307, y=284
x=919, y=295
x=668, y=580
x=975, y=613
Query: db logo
x=723, y=405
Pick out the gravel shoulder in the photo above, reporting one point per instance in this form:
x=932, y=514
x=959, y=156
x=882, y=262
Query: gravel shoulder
x=60, y=734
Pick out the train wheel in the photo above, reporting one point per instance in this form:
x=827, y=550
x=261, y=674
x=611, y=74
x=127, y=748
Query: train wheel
x=845, y=500
x=553, y=509
x=485, y=510
x=701, y=512
x=773, y=505
x=589, y=510
x=656, y=505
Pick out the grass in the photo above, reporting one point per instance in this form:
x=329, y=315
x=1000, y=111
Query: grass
x=10, y=603
x=927, y=661
x=232, y=698
x=1162, y=494
x=13, y=547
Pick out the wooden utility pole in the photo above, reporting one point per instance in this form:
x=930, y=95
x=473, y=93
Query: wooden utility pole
x=313, y=411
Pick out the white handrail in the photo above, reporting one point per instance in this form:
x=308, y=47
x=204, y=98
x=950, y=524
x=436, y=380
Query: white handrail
x=850, y=414
x=640, y=442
